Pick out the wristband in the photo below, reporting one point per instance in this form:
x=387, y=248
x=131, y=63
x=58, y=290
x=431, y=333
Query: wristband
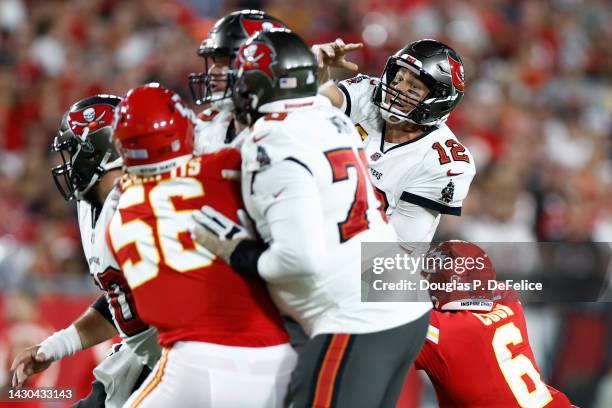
x=245, y=256
x=62, y=343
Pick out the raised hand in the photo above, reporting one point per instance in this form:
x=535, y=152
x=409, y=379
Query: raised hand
x=333, y=54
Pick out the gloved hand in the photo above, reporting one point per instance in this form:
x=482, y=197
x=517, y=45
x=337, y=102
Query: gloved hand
x=217, y=233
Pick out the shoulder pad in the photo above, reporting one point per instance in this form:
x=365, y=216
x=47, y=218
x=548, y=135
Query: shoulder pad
x=269, y=141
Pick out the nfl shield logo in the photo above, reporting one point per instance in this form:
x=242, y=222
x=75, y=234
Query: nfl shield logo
x=375, y=156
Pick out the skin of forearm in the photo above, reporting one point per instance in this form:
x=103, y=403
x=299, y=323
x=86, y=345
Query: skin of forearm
x=93, y=328
x=324, y=74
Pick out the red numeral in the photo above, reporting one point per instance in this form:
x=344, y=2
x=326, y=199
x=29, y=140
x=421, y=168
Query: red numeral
x=356, y=220
x=444, y=159
x=456, y=149
x=121, y=300
x=384, y=204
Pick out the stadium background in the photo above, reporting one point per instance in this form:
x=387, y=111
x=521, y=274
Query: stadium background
x=537, y=117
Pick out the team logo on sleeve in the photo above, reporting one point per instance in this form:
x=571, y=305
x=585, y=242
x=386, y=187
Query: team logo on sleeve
x=256, y=56
x=92, y=118
x=448, y=192
x=251, y=27
x=457, y=73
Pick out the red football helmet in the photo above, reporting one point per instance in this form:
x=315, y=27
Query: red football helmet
x=465, y=270
x=153, y=130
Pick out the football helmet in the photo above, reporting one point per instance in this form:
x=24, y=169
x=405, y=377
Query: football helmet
x=84, y=144
x=271, y=66
x=467, y=269
x=153, y=130
x=223, y=41
x=436, y=65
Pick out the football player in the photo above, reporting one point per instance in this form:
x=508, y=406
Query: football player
x=477, y=352
x=224, y=344
x=215, y=127
x=305, y=183
x=416, y=162
x=89, y=171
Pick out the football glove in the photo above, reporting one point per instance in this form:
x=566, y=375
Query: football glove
x=217, y=233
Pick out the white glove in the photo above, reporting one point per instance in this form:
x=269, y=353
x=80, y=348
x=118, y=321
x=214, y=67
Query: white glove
x=217, y=233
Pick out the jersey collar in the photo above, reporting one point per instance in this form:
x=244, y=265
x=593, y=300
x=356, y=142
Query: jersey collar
x=429, y=130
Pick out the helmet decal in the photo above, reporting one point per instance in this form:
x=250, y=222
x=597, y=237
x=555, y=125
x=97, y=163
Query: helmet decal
x=251, y=26
x=256, y=56
x=457, y=73
x=93, y=118
x=412, y=60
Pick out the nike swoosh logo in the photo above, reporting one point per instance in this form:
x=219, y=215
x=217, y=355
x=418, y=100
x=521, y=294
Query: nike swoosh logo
x=451, y=174
x=257, y=139
x=275, y=195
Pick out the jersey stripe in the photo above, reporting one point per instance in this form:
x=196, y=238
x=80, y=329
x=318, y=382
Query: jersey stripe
x=431, y=204
x=324, y=391
x=155, y=381
x=433, y=334
x=347, y=99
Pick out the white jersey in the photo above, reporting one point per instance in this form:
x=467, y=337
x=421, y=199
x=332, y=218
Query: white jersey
x=305, y=184
x=433, y=171
x=140, y=337
x=214, y=131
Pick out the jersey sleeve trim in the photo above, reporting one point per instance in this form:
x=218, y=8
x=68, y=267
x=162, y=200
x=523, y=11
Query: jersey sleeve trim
x=347, y=98
x=101, y=306
x=431, y=204
x=293, y=159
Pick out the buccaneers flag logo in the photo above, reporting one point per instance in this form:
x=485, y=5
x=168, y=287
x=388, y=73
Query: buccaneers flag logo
x=457, y=73
x=93, y=118
x=251, y=27
x=256, y=56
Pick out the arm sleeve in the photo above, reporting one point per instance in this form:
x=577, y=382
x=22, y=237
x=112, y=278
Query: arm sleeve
x=101, y=306
x=288, y=196
x=357, y=93
x=414, y=224
x=434, y=186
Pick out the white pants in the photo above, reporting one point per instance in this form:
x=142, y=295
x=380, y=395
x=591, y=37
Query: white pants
x=196, y=374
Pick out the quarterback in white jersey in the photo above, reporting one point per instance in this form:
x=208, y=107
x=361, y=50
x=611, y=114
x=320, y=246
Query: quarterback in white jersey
x=416, y=161
x=90, y=169
x=306, y=186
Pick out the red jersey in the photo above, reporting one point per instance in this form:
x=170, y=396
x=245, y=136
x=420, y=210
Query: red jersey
x=485, y=360
x=180, y=287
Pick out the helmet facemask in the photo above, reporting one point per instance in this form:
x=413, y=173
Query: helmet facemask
x=213, y=85
x=398, y=106
x=81, y=170
x=432, y=110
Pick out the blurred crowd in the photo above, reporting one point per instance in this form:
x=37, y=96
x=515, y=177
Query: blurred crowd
x=537, y=114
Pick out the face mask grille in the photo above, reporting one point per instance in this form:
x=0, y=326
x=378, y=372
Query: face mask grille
x=207, y=87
